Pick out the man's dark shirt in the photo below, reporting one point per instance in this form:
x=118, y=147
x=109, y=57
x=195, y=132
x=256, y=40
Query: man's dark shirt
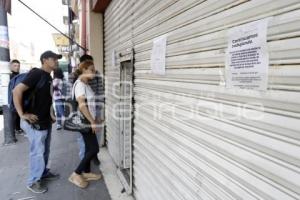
x=98, y=88
x=43, y=98
x=13, y=74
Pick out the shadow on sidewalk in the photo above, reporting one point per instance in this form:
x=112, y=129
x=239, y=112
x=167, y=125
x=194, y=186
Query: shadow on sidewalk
x=63, y=160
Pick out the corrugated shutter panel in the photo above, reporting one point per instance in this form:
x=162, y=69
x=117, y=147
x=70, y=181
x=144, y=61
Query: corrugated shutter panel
x=112, y=86
x=195, y=139
x=118, y=34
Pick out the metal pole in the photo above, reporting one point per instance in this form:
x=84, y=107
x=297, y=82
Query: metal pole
x=4, y=50
x=70, y=37
x=9, y=136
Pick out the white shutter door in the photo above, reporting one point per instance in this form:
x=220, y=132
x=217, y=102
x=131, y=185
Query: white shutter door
x=193, y=138
x=112, y=84
x=117, y=28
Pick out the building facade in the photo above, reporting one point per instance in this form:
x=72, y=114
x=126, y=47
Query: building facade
x=184, y=134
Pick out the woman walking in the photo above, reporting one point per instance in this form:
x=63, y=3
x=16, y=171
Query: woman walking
x=87, y=105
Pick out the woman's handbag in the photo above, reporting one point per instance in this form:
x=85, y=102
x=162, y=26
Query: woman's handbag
x=75, y=121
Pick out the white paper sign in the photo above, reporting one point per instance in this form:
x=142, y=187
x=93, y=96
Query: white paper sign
x=4, y=42
x=3, y=96
x=5, y=67
x=4, y=80
x=158, y=55
x=247, y=57
x=4, y=32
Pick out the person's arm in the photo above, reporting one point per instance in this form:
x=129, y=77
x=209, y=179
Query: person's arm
x=85, y=111
x=18, y=99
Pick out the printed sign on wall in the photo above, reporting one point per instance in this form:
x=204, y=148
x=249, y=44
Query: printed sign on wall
x=158, y=55
x=247, y=57
x=3, y=96
x=4, y=42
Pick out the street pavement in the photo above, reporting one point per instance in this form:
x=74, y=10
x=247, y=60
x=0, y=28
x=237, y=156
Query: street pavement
x=63, y=160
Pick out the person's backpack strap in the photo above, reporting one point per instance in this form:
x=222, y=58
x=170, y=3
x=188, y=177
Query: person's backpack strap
x=73, y=91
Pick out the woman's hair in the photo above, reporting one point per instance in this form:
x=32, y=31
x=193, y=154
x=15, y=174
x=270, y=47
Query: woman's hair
x=58, y=73
x=82, y=66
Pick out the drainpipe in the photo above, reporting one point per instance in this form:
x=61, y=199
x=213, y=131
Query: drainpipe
x=70, y=54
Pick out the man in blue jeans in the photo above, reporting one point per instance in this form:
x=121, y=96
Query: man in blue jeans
x=36, y=119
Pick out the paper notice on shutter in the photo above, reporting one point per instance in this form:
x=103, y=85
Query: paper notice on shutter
x=158, y=55
x=247, y=57
x=3, y=96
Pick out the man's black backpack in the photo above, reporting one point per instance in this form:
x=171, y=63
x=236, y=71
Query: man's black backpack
x=29, y=98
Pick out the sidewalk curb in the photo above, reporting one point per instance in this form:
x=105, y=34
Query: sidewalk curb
x=111, y=179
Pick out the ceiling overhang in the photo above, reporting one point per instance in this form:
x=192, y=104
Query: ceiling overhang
x=99, y=6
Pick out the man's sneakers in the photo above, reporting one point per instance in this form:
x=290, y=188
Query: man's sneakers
x=10, y=143
x=20, y=132
x=50, y=176
x=37, y=188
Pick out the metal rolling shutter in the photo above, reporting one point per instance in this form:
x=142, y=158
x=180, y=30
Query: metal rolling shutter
x=112, y=76
x=192, y=139
x=118, y=25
